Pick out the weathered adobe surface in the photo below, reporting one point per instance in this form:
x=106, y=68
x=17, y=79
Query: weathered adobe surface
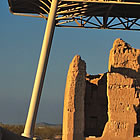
x=73, y=115
x=96, y=105
x=123, y=84
x=107, y=105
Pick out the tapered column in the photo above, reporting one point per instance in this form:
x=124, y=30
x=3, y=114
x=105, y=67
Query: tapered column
x=73, y=113
x=40, y=75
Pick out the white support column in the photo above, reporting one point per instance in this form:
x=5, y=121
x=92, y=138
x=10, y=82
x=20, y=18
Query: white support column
x=40, y=75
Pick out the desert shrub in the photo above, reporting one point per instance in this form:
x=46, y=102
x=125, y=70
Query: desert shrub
x=43, y=132
x=17, y=129
x=47, y=132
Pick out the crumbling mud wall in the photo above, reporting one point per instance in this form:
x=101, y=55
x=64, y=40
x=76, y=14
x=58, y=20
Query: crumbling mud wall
x=123, y=84
x=104, y=106
x=96, y=105
x=73, y=115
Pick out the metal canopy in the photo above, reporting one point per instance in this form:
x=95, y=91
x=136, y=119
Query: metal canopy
x=87, y=7
x=29, y=6
x=98, y=14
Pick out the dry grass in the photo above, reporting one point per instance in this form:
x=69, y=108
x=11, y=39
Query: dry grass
x=44, y=132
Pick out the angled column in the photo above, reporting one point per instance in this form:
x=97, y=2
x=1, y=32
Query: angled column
x=40, y=75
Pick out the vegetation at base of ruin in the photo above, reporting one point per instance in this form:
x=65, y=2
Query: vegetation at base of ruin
x=43, y=132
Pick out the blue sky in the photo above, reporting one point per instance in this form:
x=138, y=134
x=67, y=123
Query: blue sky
x=20, y=45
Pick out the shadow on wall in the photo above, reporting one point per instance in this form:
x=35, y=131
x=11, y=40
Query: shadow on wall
x=135, y=75
x=96, y=105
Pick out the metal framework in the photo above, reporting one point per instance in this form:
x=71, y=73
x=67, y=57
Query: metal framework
x=98, y=14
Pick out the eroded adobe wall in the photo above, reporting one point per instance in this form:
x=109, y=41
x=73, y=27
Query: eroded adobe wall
x=73, y=112
x=123, y=84
x=106, y=106
x=96, y=105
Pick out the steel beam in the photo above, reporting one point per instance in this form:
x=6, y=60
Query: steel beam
x=40, y=75
x=108, y=1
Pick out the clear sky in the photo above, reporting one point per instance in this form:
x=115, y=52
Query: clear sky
x=20, y=45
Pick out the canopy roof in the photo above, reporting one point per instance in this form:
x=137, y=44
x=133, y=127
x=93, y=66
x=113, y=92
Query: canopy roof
x=94, y=8
x=29, y=6
x=99, y=14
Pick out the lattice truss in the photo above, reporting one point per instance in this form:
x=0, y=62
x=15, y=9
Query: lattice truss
x=102, y=23
x=99, y=14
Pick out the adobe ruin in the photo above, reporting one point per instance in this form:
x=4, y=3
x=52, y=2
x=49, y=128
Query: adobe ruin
x=104, y=106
